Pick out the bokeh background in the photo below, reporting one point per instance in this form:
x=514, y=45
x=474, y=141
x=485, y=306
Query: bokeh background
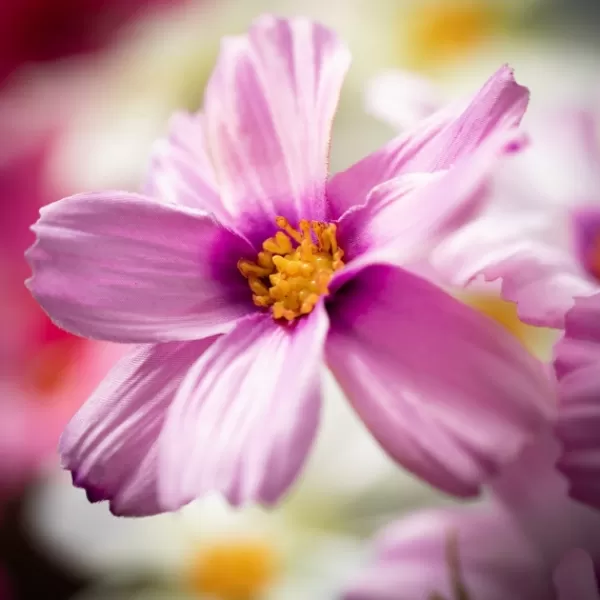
x=85, y=88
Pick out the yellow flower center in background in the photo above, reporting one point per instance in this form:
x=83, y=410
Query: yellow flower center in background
x=537, y=340
x=294, y=268
x=234, y=570
x=442, y=30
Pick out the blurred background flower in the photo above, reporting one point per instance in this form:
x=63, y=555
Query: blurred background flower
x=86, y=86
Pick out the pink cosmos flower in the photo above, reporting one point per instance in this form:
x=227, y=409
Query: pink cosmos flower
x=529, y=542
x=243, y=265
x=540, y=235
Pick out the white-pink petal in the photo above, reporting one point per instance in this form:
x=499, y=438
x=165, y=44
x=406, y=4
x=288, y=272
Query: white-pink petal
x=541, y=278
x=269, y=107
x=410, y=214
x=180, y=169
x=245, y=417
x=435, y=143
x=111, y=444
x=447, y=392
x=122, y=267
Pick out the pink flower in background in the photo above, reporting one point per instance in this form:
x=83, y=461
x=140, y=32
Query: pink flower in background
x=577, y=364
x=45, y=373
x=528, y=542
x=541, y=237
x=45, y=30
x=243, y=266
x=541, y=233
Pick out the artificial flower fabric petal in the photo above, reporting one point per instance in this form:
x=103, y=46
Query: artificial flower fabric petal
x=269, y=107
x=435, y=143
x=245, y=417
x=447, y=392
x=121, y=267
x=575, y=578
x=111, y=445
x=577, y=362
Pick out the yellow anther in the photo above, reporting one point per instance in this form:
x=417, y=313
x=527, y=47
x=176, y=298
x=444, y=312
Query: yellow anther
x=262, y=301
x=279, y=244
x=257, y=286
x=265, y=259
x=249, y=269
x=294, y=268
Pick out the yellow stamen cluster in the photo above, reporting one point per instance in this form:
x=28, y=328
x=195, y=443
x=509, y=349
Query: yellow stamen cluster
x=294, y=268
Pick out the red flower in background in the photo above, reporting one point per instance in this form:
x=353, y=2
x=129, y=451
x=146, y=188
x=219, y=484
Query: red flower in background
x=45, y=30
x=45, y=373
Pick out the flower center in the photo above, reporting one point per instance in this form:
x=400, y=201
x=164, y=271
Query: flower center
x=234, y=570
x=294, y=267
x=444, y=30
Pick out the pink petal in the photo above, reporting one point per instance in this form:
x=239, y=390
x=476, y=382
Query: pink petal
x=121, y=267
x=245, y=417
x=388, y=218
x=586, y=234
x=410, y=213
x=269, y=107
x=577, y=361
x=447, y=392
x=435, y=143
x=180, y=168
x=540, y=278
x=575, y=578
x=111, y=444
x=412, y=559
x=580, y=346
x=535, y=493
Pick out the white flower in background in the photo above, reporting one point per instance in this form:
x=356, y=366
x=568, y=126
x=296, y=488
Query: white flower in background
x=307, y=548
